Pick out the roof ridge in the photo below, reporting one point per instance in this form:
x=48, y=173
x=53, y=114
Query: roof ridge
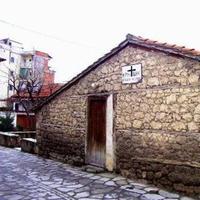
x=164, y=45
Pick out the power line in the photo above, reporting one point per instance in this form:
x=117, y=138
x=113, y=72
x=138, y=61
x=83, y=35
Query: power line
x=47, y=35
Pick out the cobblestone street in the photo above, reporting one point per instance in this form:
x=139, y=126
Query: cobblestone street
x=28, y=177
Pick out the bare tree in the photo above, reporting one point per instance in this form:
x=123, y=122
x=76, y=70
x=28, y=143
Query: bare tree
x=27, y=87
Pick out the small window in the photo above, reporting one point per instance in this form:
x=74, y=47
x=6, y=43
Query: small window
x=12, y=59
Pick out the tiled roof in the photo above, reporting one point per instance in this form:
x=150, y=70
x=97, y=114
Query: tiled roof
x=165, y=47
x=49, y=89
x=36, y=52
x=175, y=50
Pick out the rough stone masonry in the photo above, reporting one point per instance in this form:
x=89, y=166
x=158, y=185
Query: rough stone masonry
x=156, y=122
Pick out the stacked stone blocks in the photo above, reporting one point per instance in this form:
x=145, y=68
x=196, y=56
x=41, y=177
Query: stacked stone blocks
x=156, y=121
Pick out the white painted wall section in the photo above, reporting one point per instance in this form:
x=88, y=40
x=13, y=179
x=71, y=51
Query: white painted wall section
x=109, y=135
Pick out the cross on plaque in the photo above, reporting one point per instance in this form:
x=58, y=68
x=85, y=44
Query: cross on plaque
x=131, y=70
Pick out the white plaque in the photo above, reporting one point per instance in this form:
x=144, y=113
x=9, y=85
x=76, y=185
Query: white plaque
x=132, y=73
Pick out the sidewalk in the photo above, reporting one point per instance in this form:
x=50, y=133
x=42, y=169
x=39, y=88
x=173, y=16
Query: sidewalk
x=28, y=177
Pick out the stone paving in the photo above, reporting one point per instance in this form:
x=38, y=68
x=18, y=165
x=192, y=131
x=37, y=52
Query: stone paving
x=28, y=177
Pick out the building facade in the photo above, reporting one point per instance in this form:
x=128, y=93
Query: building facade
x=21, y=63
x=135, y=111
x=2, y=59
x=35, y=64
x=11, y=51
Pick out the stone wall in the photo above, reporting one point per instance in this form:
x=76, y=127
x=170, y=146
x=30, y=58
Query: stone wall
x=9, y=139
x=176, y=109
x=156, y=121
x=164, y=123
x=61, y=130
x=169, y=175
x=159, y=129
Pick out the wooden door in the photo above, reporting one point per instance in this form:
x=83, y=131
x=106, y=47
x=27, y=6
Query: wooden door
x=25, y=123
x=96, y=138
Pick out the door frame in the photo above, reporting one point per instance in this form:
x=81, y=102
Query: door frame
x=109, y=145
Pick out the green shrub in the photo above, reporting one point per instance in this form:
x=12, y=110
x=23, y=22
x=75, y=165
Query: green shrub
x=6, y=123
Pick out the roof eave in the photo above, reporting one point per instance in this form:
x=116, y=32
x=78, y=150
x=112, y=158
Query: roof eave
x=165, y=50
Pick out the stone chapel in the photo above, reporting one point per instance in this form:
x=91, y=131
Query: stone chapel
x=136, y=111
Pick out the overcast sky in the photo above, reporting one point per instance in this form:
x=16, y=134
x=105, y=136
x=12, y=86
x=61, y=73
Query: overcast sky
x=77, y=32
